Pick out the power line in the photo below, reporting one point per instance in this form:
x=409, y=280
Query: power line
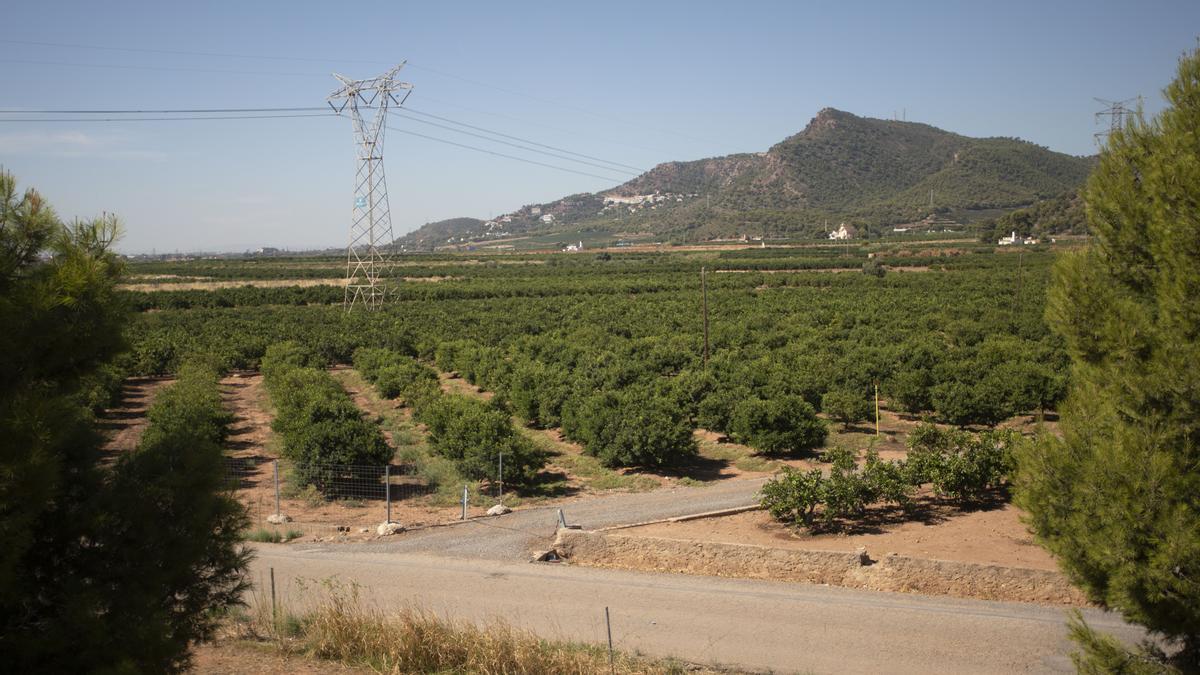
x=7, y=111
x=515, y=145
x=311, y=59
x=178, y=52
x=542, y=125
x=523, y=140
x=216, y=113
x=500, y=154
x=173, y=118
x=159, y=68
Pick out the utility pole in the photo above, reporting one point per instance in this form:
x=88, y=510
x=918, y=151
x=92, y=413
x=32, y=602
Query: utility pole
x=876, y=407
x=704, y=293
x=371, y=223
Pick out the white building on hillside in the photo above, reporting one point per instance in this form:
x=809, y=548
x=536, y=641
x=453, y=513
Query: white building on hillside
x=1015, y=238
x=844, y=231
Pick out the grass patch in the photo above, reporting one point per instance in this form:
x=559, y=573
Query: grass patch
x=757, y=464
x=589, y=470
x=740, y=456
x=264, y=535
x=341, y=629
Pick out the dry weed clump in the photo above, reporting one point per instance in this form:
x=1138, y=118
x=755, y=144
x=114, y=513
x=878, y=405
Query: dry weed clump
x=412, y=640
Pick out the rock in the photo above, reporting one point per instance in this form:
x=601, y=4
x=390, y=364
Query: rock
x=863, y=558
x=546, y=556
x=279, y=518
x=388, y=529
x=364, y=530
x=498, y=510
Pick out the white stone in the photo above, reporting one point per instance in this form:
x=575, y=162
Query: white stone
x=498, y=510
x=387, y=529
x=279, y=518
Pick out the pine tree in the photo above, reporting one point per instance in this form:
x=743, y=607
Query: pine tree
x=1117, y=498
x=104, y=566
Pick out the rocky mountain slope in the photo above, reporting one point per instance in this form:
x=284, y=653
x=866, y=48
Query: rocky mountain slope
x=869, y=172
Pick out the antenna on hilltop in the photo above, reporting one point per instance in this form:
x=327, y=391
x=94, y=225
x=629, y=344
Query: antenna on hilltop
x=371, y=223
x=1116, y=112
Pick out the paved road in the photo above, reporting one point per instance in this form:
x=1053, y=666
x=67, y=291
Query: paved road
x=785, y=627
x=512, y=537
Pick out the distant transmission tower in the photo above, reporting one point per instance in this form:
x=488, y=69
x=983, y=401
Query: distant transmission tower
x=1116, y=112
x=367, y=261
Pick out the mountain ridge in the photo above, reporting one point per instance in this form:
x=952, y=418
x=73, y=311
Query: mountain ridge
x=870, y=172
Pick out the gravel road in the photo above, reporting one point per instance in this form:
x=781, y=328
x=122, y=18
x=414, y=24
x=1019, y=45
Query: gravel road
x=751, y=624
x=479, y=570
x=511, y=537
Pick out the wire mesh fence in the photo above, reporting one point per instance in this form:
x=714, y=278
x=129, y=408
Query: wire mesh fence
x=335, y=496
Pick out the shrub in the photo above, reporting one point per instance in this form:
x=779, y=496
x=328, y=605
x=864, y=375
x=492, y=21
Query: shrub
x=846, y=406
x=794, y=495
x=784, y=424
x=888, y=480
x=393, y=374
x=473, y=435
x=631, y=428
x=318, y=422
x=960, y=465
x=715, y=410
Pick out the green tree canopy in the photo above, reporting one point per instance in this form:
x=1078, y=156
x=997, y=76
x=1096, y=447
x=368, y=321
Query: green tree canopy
x=1116, y=499
x=109, y=566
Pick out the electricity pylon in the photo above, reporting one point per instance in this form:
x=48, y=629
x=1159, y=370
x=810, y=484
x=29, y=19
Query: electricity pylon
x=1116, y=112
x=367, y=263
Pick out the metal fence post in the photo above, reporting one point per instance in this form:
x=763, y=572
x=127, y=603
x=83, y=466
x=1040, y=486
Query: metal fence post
x=464, y=503
x=276, y=463
x=612, y=662
x=387, y=486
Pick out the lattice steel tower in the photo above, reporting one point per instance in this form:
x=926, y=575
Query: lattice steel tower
x=367, y=260
x=1117, y=113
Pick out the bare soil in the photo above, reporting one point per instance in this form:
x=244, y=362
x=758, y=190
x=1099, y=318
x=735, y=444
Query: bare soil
x=123, y=424
x=253, y=446
x=234, y=657
x=993, y=536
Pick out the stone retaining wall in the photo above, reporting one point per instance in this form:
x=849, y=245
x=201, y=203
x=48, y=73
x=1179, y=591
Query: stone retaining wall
x=854, y=570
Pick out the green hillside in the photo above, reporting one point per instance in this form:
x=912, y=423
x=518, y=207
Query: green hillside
x=872, y=173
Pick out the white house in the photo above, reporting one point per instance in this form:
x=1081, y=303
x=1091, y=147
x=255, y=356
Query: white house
x=1014, y=238
x=844, y=231
x=548, y=218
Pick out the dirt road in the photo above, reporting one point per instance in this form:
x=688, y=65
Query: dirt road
x=762, y=625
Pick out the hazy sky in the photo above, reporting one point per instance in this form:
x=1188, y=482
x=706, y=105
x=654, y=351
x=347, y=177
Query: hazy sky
x=631, y=82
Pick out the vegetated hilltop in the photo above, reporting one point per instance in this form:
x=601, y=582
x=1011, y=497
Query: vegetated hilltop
x=869, y=172
x=1064, y=214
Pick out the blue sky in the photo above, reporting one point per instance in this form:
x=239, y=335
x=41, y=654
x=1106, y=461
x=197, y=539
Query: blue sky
x=631, y=82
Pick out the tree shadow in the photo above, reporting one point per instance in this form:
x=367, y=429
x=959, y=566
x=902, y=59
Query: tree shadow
x=696, y=467
x=546, y=484
x=927, y=510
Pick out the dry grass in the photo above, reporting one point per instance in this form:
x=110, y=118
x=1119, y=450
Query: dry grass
x=340, y=628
